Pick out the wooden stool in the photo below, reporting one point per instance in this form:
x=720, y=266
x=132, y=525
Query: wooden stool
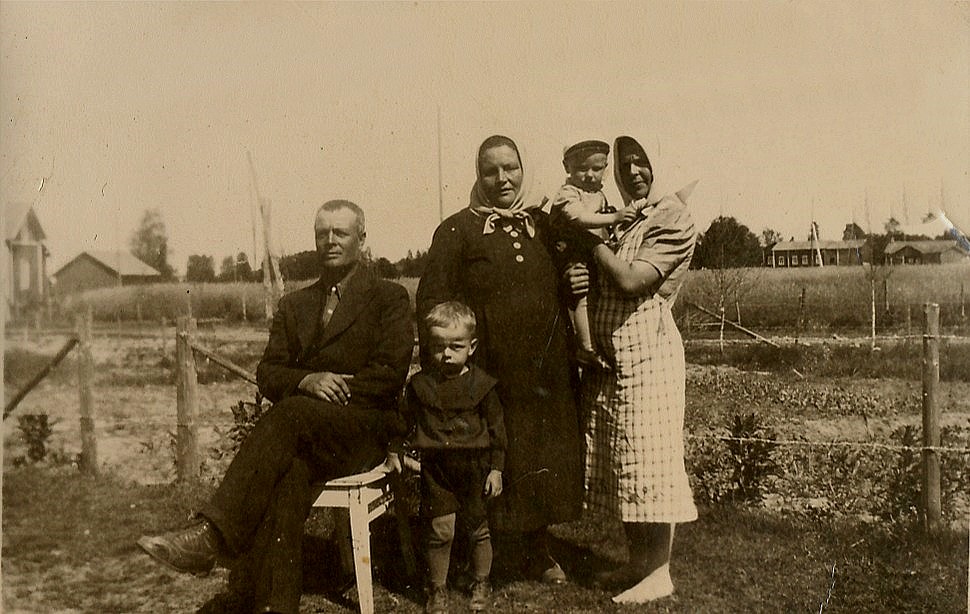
x=367, y=496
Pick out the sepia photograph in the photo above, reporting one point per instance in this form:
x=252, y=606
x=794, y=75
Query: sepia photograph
x=508, y=306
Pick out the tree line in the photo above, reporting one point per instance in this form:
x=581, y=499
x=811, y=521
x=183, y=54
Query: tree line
x=149, y=243
x=727, y=243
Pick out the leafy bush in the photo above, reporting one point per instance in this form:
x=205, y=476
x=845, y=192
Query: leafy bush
x=872, y=483
x=826, y=481
x=36, y=431
x=726, y=469
x=245, y=414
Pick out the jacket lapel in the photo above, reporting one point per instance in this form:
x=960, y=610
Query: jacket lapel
x=308, y=316
x=353, y=297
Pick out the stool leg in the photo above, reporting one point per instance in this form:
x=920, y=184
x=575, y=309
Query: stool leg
x=341, y=520
x=360, y=535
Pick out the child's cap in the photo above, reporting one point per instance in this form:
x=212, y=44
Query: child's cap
x=584, y=149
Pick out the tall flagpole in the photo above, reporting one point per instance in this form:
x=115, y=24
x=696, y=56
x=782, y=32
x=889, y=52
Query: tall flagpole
x=441, y=201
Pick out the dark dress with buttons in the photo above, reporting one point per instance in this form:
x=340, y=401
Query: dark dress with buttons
x=510, y=281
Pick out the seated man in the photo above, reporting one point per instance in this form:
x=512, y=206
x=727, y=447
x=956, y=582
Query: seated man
x=336, y=361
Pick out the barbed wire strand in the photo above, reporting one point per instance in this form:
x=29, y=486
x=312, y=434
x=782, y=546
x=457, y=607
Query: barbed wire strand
x=849, y=444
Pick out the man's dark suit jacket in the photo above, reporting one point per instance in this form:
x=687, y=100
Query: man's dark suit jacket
x=370, y=336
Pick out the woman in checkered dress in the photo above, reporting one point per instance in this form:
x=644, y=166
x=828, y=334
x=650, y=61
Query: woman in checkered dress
x=635, y=410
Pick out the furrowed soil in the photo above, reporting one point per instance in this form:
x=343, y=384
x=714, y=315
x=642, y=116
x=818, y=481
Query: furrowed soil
x=100, y=570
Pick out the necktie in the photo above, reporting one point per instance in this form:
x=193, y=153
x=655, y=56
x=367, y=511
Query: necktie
x=332, y=299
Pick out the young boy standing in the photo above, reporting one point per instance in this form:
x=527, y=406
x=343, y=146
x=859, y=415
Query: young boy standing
x=581, y=206
x=454, y=419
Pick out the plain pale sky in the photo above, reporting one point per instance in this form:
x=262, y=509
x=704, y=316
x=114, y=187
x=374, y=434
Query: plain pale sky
x=785, y=112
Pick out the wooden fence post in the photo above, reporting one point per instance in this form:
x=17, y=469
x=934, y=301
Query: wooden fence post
x=720, y=336
x=85, y=378
x=872, y=314
x=187, y=400
x=963, y=305
x=931, y=417
x=885, y=295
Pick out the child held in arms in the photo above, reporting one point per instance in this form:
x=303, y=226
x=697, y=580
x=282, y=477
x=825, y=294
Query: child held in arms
x=581, y=206
x=454, y=421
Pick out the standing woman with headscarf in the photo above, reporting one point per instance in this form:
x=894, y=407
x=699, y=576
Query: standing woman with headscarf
x=495, y=257
x=635, y=410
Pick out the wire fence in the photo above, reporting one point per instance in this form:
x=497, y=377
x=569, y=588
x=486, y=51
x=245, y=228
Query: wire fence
x=830, y=444
x=188, y=420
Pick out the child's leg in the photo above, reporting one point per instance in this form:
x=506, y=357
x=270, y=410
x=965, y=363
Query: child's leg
x=580, y=317
x=441, y=532
x=480, y=545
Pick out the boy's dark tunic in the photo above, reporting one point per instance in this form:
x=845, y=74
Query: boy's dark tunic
x=458, y=427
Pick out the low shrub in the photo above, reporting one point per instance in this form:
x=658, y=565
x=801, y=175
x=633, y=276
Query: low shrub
x=727, y=466
x=36, y=431
x=836, y=481
x=245, y=414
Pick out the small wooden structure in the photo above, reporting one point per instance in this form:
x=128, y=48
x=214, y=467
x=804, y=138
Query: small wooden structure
x=940, y=251
x=103, y=269
x=26, y=267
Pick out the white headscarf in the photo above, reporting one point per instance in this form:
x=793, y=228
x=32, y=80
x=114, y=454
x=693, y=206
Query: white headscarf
x=519, y=213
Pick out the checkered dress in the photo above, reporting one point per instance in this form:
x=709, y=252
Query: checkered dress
x=635, y=413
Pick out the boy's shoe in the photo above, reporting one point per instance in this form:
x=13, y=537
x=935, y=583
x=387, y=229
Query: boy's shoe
x=192, y=550
x=463, y=580
x=546, y=570
x=554, y=574
x=481, y=595
x=437, y=600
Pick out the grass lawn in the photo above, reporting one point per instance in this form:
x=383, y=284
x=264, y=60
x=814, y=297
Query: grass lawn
x=68, y=546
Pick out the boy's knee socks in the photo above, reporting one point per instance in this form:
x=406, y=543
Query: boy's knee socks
x=441, y=532
x=480, y=540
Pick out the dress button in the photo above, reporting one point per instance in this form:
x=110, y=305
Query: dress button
x=519, y=258
x=517, y=245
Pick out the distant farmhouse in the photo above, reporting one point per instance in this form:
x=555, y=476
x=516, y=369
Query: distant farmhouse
x=787, y=254
x=939, y=251
x=99, y=269
x=27, y=254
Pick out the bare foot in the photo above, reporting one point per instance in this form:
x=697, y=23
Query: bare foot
x=655, y=586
